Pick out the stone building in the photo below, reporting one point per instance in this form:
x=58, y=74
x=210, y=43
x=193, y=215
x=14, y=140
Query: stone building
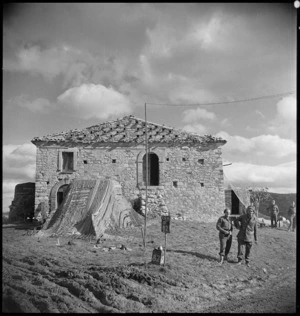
x=185, y=171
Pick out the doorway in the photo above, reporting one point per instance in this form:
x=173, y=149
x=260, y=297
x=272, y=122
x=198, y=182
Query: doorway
x=235, y=203
x=61, y=194
x=153, y=169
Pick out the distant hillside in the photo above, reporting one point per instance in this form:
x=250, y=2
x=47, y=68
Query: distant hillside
x=282, y=200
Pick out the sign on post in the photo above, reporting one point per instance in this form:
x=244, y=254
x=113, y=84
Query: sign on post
x=165, y=223
x=158, y=256
x=165, y=228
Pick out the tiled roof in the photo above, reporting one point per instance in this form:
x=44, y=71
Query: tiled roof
x=130, y=129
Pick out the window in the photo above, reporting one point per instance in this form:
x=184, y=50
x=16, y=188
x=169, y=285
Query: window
x=202, y=184
x=114, y=160
x=167, y=159
x=85, y=162
x=201, y=161
x=175, y=184
x=153, y=169
x=67, y=161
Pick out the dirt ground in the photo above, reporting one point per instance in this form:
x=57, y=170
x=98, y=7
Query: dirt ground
x=44, y=274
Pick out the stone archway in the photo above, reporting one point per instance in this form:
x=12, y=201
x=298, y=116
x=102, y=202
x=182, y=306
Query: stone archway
x=55, y=192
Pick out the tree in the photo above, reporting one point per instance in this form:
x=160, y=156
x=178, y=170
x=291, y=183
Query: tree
x=259, y=194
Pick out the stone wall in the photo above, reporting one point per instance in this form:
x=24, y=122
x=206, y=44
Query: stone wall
x=190, y=180
x=22, y=205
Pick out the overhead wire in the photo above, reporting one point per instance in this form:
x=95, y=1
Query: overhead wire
x=226, y=102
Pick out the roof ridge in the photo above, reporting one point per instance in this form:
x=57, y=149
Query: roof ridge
x=127, y=129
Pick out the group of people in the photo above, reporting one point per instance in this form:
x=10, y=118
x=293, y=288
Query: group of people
x=274, y=215
x=247, y=226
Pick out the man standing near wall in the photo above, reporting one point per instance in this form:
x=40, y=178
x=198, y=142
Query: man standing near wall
x=247, y=225
x=274, y=211
x=224, y=227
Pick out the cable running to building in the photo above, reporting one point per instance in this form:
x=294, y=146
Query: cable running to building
x=226, y=102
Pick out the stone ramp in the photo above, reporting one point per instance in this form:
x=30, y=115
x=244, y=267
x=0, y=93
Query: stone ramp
x=90, y=207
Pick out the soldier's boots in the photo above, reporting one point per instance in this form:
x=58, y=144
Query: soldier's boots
x=221, y=260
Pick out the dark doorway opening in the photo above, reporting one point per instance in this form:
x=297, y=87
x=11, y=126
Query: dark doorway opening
x=153, y=169
x=235, y=203
x=61, y=194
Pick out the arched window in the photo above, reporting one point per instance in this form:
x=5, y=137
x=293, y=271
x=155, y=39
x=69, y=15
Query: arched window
x=153, y=169
x=61, y=193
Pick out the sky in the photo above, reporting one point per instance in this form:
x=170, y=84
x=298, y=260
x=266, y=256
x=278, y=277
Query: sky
x=74, y=65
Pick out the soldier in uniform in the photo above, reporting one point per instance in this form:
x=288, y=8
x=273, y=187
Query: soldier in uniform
x=224, y=226
x=247, y=225
x=292, y=217
x=274, y=211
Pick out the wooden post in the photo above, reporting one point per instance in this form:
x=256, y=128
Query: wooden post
x=146, y=201
x=165, y=248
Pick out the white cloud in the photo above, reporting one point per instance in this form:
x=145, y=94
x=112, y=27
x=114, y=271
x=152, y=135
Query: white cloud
x=64, y=60
x=285, y=120
x=282, y=177
x=195, y=128
x=286, y=108
x=48, y=62
x=38, y=105
x=90, y=101
x=263, y=145
x=193, y=115
x=19, y=162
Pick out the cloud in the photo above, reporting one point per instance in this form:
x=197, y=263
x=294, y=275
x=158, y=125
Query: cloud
x=282, y=176
x=285, y=120
x=91, y=100
x=50, y=62
x=263, y=145
x=286, y=108
x=38, y=105
x=19, y=162
x=195, y=128
x=197, y=114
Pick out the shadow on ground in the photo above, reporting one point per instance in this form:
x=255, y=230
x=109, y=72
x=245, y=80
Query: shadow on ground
x=198, y=255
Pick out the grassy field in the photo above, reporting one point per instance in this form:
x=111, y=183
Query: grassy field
x=42, y=274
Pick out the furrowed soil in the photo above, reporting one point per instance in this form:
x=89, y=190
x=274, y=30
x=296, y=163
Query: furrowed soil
x=46, y=275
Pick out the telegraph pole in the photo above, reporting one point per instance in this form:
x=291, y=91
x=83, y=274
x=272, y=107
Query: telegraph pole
x=146, y=200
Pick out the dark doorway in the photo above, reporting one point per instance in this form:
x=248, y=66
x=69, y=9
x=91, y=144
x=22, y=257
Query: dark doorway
x=153, y=169
x=61, y=193
x=235, y=204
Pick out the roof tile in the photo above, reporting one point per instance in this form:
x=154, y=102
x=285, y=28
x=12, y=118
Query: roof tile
x=130, y=129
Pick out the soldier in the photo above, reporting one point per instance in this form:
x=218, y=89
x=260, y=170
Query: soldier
x=224, y=226
x=246, y=223
x=292, y=217
x=274, y=211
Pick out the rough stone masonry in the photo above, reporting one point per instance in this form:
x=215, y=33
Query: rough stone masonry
x=185, y=171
